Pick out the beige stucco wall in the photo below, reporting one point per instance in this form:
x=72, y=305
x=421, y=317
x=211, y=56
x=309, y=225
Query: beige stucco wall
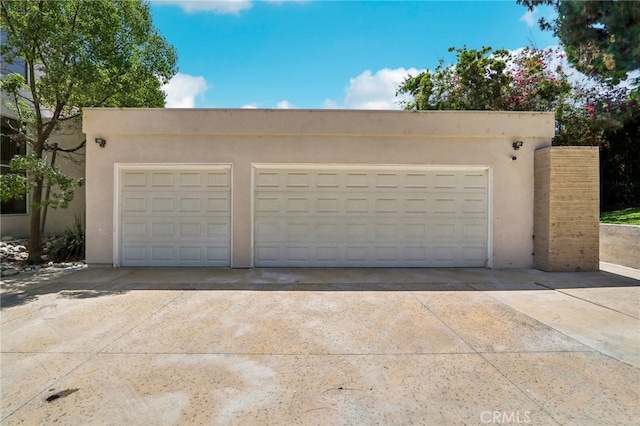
x=69, y=136
x=244, y=137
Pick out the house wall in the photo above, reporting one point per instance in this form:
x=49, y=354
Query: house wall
x=245, y=137
x=17, y=225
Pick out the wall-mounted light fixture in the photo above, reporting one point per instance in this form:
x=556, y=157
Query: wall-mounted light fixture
x=101, y=141
x=517, y=144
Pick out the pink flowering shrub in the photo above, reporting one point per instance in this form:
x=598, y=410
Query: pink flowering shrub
x=488, y=79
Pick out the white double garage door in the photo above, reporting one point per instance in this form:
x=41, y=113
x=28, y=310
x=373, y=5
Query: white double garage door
x=306, y=216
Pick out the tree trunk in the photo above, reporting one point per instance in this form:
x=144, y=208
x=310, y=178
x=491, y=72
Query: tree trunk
x=48, y=193
x=35, y=237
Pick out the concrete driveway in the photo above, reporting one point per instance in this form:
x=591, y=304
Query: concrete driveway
x=320, y=346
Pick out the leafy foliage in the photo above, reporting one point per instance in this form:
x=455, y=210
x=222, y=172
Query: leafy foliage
x=78, y=53
x=488, y=79
x=17, y=183
x=599, y=114
x=601, y=41
x=72, y=244
x=608, y=117
x=475, y=82
x=88, y=52
x=600, y=37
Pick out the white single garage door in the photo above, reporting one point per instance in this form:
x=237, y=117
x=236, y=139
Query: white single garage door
x=373, y=216
x=175, y=216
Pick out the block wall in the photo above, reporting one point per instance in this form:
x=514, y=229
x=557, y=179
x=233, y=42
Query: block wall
x=566, y=209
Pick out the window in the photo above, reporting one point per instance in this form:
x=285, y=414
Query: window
x=8, y=149
x=18, y=66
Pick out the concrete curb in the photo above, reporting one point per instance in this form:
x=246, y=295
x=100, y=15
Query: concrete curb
x=620, y=244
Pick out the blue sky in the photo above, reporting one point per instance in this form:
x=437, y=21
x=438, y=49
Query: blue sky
x=325, y=54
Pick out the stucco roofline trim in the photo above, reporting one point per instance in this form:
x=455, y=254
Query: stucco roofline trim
x=307, y=110
x=317, y=123
x=335, y=135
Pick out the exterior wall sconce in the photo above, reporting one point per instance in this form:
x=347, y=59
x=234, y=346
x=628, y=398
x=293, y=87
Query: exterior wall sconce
x=517, y=144
x=101, y=141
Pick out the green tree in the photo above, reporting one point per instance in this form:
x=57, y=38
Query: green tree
x=605, y=116
x=601, y=41
x=78, y=53
x=597, y=114
x=601, y=38
x=488, y=79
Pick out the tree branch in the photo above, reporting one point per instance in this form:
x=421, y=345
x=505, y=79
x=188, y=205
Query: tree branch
x=69, y=117
x=77, y=148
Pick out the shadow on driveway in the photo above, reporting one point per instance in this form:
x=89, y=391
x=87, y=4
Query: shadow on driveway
x=96, y=282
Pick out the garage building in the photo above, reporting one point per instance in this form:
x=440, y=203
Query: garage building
x=311, y=188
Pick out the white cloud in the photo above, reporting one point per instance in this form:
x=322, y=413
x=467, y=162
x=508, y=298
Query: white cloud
x=375, y=91
x=529, y=17
x=231, y=7
x=222, y=7
x=286, y=1
x=249, y=106
x=330, y=104
x=183, y=89
x=285, y=105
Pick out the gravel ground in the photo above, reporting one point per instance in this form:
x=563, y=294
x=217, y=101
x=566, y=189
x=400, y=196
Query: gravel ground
x=15, y=251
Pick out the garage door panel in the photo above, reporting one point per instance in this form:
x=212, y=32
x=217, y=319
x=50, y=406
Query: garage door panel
x=473, y=254
x=162, y=205
x=218, y=204
x=474, y=182
x=220, y=180
x=175, y=217
x=474, y=231
x=133, y=203
x=364, y=203
x=134, y=253
x=363, y=256
x=135, y=229
x=196, y=228
x=170, y=254
x=414, y=180
x=219, y=230
x=387, y=180
x=385, y=229
x=357, y=255
x=160, y=230
x=445, y=181
x=189, y=179
x=356, y=205
x=370, y=217
x=282, y=180
x=267, y=204
x=297, y=205
x=328, y=205
x=133, y=179
x=473, y=206
x=374, y=229
x=162, y=179
x=168, y=203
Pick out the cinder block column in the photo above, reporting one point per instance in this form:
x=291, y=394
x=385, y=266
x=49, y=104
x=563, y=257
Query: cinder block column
x=567, y=209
